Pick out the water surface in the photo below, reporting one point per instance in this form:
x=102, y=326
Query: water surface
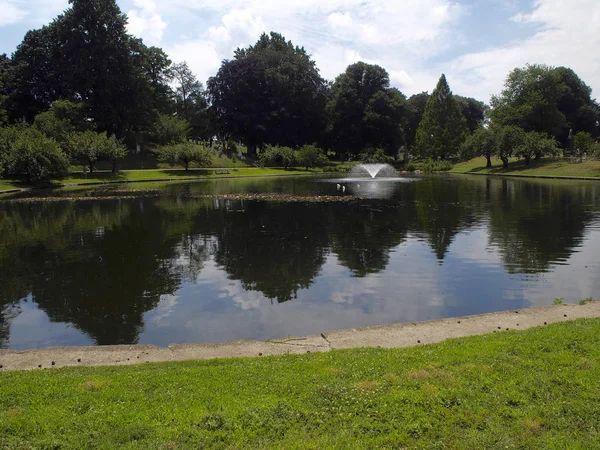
x=173, y=268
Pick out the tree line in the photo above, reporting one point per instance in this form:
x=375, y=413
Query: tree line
x=83, y=74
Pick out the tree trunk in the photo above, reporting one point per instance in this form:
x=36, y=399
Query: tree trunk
x=504, y=162
x=252, y=150
x=489, y=161
x=187, y=165
x=91, y=163
x=538, y=155
x=114, y=167
x=527, y=160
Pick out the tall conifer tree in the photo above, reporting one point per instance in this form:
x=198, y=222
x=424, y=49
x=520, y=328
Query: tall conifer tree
x=443, y=127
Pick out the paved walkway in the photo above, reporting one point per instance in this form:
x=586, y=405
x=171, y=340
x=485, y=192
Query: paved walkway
x=386, y=336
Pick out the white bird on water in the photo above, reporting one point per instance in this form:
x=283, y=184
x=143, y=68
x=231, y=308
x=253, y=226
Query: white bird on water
x=343, y=188
x=338, y=186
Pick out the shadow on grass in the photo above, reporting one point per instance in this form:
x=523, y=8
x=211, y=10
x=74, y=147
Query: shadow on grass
x=548, y=166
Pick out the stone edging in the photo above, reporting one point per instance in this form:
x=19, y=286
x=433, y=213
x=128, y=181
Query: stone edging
x=385, y=336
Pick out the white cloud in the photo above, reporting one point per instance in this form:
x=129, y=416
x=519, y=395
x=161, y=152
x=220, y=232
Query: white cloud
x=414, y=40
x=568, y=36
x=146, y=22
x=11, y=13
x=31, y=12
x=204, y=54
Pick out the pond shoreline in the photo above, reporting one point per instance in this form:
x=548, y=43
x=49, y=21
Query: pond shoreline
x=516, y=175
x=385, y=336
x=153, y=180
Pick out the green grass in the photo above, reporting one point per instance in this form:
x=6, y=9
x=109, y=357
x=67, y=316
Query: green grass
x=6, y=185
x=159, y=174
x=533, y=389
x=542, y=167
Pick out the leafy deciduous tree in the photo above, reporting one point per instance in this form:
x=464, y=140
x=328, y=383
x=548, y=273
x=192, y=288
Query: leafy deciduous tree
x=270, y=93
x=365, y=112
x=483, y=142
x=534, y=143
x=310, y=156
x=92, y=147
x=530, y=100
x=184, y=153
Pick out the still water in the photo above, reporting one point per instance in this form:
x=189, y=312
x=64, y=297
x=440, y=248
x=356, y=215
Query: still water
x=173, y=266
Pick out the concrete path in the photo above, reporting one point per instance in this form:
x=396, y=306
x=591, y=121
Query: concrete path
x=386, y=336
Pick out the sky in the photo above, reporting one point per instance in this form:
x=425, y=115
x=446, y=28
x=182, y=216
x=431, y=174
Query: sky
x=476, y=43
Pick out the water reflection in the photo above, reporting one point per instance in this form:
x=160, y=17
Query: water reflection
x=173, y=268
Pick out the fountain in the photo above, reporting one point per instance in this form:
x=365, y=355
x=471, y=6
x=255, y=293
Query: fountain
x=370, y=181
x=373, y=170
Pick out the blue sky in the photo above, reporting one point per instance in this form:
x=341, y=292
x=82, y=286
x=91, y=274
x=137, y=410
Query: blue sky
x=474, y=42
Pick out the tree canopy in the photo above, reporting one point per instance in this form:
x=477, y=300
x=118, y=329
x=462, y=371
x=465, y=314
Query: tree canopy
x=270, y=93
x=365, y=112
x=551, y=100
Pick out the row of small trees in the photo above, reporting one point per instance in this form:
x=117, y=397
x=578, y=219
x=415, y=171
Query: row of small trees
x=505, y=142
x=307, y=156
x=27, y=151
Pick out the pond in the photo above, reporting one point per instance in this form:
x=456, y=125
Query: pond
x=173, y=264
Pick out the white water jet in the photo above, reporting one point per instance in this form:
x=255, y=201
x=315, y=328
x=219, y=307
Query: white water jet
x=373, y=170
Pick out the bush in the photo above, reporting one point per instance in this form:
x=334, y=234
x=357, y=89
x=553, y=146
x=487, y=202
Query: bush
x=429, y=165
x=311, y=156
x=185, y=153
x=410, y=166
x=31, y=154
x=277, y=156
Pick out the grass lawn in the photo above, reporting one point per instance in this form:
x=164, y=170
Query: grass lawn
x=545, y=166
x=160, y=174
x=532, y=389
x=7, y=185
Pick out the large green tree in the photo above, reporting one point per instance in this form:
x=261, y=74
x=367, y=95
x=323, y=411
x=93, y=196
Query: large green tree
x=443, y=127
x=85, y=55
x=551, y=100
x=530, y=100
x=270, y=93
x=473, y=110
x=576, y=104
x=365, y=112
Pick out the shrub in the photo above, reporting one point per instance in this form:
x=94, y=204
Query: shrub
x=184, y=153
x=277, y=156
x=429, y=165
x=410, y=166
x=35, y=156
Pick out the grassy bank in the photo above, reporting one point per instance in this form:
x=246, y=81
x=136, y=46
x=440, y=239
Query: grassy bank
x=6, y=185
x=132, y=176
x=544, y=167
x=532, y=389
